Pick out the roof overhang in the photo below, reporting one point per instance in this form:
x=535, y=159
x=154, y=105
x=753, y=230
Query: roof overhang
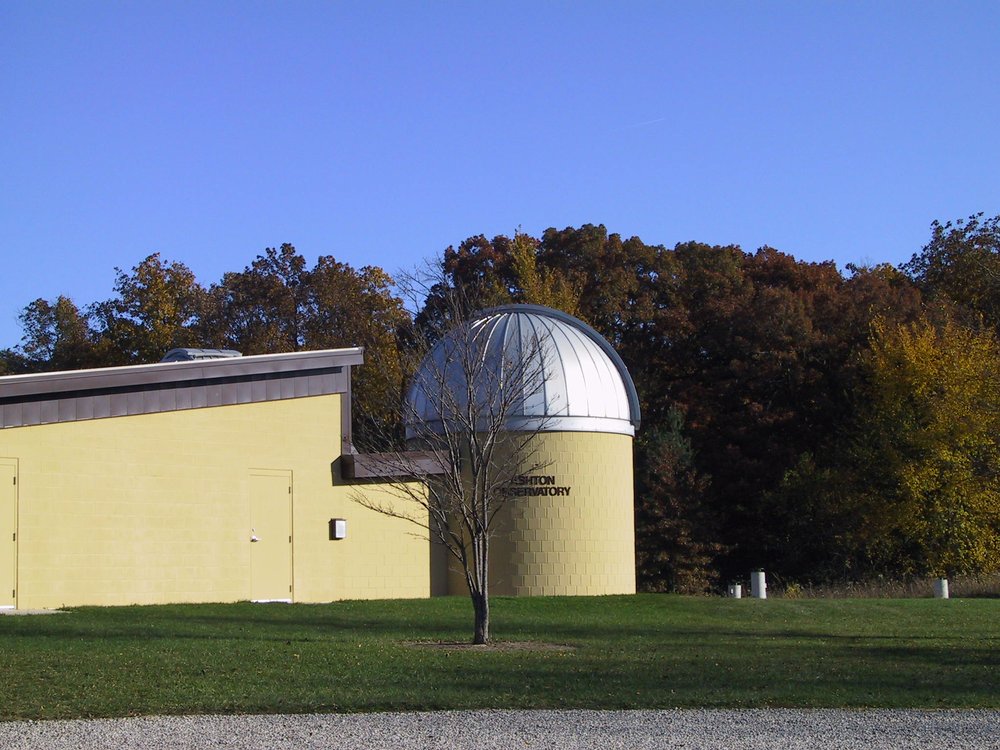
x=391, y=465
x=170, y=386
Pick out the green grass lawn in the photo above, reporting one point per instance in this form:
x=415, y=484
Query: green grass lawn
x=643, y=651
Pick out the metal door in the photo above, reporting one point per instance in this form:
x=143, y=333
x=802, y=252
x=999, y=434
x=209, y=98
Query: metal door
x=270, y=535
x=8, y=532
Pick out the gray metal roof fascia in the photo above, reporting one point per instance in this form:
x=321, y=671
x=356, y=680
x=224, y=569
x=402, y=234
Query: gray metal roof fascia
x=544, y=424
x=13, y=386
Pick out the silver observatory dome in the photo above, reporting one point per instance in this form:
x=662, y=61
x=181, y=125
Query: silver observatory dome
x=564, y=375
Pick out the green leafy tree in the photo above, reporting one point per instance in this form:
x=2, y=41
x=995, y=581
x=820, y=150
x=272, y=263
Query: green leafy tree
x=814, y=527
x=536, y=284
x=613, y=278
x=758, y=351
x=674, y=547
x=476, y=275
x=57, y=336
x=484, y=273
x=261, y=309
x=929, y=446
x=13, y=363
x=155, y=310
x=811, y=522
x=961, y=264
x=347, y=307
x=751, y=347
x=278, y=304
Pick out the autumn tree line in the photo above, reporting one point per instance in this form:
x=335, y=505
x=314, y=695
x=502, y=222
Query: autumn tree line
x=823, y=425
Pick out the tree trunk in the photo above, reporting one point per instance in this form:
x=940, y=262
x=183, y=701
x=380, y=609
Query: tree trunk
x=481, y=608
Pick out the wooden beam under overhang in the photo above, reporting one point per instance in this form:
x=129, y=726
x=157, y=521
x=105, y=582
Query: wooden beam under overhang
x=391, y=465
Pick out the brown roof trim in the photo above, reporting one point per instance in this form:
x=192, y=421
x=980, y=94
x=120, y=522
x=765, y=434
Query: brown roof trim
x=47, y=398
x=140, y=377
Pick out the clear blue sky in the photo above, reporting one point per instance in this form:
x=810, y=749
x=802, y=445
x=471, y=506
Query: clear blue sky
x=382, y=132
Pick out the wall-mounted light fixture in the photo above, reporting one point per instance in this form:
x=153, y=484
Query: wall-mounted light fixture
x=338, y=528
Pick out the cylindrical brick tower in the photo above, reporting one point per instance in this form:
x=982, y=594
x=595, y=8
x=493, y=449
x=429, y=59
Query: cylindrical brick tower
x=567, y=524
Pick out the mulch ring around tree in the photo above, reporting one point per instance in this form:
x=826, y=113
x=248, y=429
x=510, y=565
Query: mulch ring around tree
x=494, y=646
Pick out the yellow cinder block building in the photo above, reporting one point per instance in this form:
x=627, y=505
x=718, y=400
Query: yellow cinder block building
x=191, y=481
x=223, y=479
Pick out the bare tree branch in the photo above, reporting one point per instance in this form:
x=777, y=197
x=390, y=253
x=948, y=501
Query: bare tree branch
x=466, y=409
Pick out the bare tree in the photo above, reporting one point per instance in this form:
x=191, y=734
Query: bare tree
x=472, y=417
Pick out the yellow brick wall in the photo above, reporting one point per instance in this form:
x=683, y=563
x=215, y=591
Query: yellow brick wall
x=582, y=543
x=155, y=508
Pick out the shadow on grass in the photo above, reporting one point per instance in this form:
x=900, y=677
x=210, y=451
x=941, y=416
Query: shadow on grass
x=578, y=622
x=613, y=621
x=644, y=652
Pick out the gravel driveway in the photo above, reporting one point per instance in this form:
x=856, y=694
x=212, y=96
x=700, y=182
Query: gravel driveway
x=485, y=730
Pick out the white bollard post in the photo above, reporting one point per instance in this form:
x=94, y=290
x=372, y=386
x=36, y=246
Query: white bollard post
x=940, y=588
x=758, y=585
x=736, y=590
